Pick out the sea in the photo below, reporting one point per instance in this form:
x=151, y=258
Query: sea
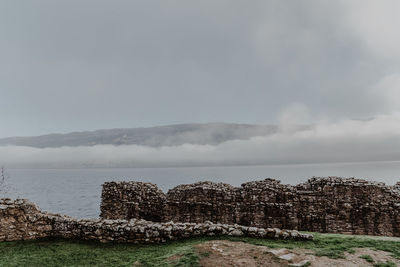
x=77, y=192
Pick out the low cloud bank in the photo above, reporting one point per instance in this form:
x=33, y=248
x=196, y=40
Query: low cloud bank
x=377, y=139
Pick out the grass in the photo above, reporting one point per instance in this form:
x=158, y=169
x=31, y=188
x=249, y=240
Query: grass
x=367, y=258
x=59, y=252
x=385, y=264
x=331, y=245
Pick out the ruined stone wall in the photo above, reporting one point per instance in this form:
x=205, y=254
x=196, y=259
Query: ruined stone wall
x=21, y=220
x=199, y=202
x=134, y=200
x=351, y=206
x=330, y=204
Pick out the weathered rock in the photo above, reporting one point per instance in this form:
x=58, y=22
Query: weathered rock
x=21, y=220
x=329, y=204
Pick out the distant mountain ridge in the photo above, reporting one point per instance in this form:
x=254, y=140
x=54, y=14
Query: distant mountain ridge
x=169, y=135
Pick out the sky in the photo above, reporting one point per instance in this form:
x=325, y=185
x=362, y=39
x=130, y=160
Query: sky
x=97, y=64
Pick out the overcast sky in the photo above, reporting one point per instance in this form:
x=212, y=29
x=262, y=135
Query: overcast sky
x=82, y=65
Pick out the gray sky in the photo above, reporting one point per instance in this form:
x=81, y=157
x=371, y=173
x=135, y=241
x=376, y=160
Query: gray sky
x=82, y=65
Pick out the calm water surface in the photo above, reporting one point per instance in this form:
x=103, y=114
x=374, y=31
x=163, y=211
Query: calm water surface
x=76, y=192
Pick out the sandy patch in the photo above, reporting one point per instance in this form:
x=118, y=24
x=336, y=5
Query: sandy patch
x=354, y=260
x=226, y=253
x=220, y=253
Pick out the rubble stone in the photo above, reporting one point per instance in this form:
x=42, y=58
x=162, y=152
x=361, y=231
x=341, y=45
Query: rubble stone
x=22, y=220
x=321, y=204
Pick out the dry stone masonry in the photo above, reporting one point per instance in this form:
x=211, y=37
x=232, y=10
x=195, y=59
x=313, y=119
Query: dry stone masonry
x=21, y=220
x=329, y=204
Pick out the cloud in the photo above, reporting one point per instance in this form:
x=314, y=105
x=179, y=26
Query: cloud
x=294, y=115
x=387, y=92
x=375, y=23
x=83, y=65
x=343, y=141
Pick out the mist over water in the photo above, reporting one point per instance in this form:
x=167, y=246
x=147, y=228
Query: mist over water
x=76, y=192
x=376, y=139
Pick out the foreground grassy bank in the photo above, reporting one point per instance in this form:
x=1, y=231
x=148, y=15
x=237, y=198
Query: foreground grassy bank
x=58, y=252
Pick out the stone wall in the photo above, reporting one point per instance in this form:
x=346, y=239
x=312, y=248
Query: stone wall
x=21, y=220
x=135, y=200
x=330, y=204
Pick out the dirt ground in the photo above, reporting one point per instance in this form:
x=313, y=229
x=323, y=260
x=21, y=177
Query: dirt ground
x=221, y=253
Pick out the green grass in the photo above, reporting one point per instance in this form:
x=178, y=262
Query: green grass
x=367, y=258
x=59, y=252
x=331, y=245
x=385, y=264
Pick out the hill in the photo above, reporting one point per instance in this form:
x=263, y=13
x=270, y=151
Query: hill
x=169, y=135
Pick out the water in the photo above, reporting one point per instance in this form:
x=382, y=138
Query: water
x=76, y=192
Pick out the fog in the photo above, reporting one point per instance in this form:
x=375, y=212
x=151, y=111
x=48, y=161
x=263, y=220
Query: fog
x=376, y=139
x=70, y=66
x=98, y=64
